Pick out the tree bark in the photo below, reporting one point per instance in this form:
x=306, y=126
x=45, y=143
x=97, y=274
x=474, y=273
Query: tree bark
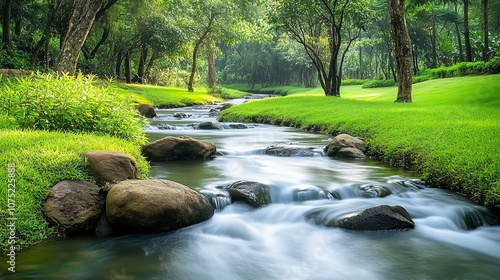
x=6, y=23
x=53, y=9
x=195, y=52
x=468, y=52
x=142, y=64
x=118, y=68
x=459, y=37
x=486, y=47
x=433, y=40
x=81, y=20
x=401, y=48
x=212, y=78
x=128, y=71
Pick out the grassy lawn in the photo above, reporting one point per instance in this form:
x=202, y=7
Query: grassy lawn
x=450, y=133
x=168, y=97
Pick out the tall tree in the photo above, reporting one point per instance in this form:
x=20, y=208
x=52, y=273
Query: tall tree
x=6, y=23
x=326, y=30
x=486, y=47
x=401, y=48
x=468, y=51
x=81, y=20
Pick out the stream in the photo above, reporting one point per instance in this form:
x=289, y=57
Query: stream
x=287, y=239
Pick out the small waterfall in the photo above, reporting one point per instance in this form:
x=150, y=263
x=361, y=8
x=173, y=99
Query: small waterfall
x=218, y=200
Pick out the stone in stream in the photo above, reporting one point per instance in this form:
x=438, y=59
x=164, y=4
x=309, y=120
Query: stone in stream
x=75, y=206
x=181, y=115
x=178, y=148
x=375, y=191
x=282, y=151
x=253, y=192
x=207, y=125
x=110, y=167
x=346, y=146
x=226, y=106
x=147, y=110
x=153, y=205
x=381, y=217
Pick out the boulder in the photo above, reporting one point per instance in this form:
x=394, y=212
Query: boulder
x=153, y=205
x=178, y=148
x=344, y=145
x=147, y=110
x=375, y=191
x=74, y=206
x=181, y=115
x=282, y=151
x=226, y=106
x=238, y=126
x=253, y=192
x=381, y=217
x=110, y=167
x=206, y=125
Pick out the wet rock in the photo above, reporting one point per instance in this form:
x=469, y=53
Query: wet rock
x=147, y=110
x=282, y=151
x=381, y=217
x=344, y=145
x=153, y=205
x=375, y=191
x=178, y=148
x=110, y=167
x=75, y=206
x=253, y=192
x=207, y=125
x=181, y=115
x=226, y=106
x=218, y=200
x=238, y=126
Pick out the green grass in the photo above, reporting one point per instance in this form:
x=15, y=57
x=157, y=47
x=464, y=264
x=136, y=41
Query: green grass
x=450, y=133
x=168, y=97
x=42, y=160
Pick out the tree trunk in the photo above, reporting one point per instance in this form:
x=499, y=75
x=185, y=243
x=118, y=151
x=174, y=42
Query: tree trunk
x=212, y=78
x=142, y=64
x=459, y=37
x=128, y=71
x=486, y=47
x=82, y=17
x=468, y=52
x=401, y=48
x=433, y=40
x=53, y=9
x=151, y=62
x=6, y=23
x=118, y=68
x=360, y=74
x=17, y=29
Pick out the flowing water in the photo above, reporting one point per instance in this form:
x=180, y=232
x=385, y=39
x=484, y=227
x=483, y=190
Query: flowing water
x=287, y=239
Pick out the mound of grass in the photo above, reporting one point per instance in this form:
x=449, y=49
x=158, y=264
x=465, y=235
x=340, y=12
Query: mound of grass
x=378, y=83
x=352, y=82
x=450, y=134
x=42, y=159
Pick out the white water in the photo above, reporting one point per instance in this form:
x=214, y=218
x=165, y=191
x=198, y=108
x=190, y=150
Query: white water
x=287, y=239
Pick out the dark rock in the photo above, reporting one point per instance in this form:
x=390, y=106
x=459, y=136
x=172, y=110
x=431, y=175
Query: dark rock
x=178, y=148
x=282, y=151
x=207, y=125
x=375, y=191
x=103, y=228
x=344, y=145
x=110, y=167
x=75, y=206
x=181, y=115
x=154, y=205
x=238, y=126
x=147, y=110
x=381, y=217
x=253, y=192
x=226, y=106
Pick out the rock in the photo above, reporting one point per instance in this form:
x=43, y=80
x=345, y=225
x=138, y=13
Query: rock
x=344, y=145
x=226, y=106
x=238, y=126
x=375, y=191
x=110, y=167
x=381, y=217
x=155, y=205
x=178, y=148
x=181, y=115
x=282, y=151
x=253, y=192
x=75, y=206
x=147, y=110
x=207, y=125
x=103, y=228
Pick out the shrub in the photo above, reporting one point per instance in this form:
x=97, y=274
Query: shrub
x=64, y=103
x=423, y=78
x=352, y=82
x=378, y=83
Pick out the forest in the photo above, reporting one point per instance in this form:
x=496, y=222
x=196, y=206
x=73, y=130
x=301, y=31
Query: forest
x=203, y=42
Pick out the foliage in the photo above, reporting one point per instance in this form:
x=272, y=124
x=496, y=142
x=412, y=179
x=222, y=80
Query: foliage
x=449, y=134
x=63, y=103
x=352, y=82
x=466, y=68
x=42, y=159
x=378, y=83
x=419, y=79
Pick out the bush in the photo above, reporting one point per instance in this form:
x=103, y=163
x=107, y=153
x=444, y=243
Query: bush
x=378, y=83
x=465, y=69
x=352, y=82
x=64, y=103
x=423, y=78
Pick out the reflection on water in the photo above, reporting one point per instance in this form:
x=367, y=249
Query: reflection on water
x=290, y=238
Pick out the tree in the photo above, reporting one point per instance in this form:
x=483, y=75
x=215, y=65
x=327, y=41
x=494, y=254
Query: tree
x=468, y=51
x=6, y=23
x=326, y=30
x=81, y=20
x=401, y=48
x=486, y=48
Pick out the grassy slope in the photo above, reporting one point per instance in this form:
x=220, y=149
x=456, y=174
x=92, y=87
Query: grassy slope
x=42, y=160
x=450, y=133
x=167, y=97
